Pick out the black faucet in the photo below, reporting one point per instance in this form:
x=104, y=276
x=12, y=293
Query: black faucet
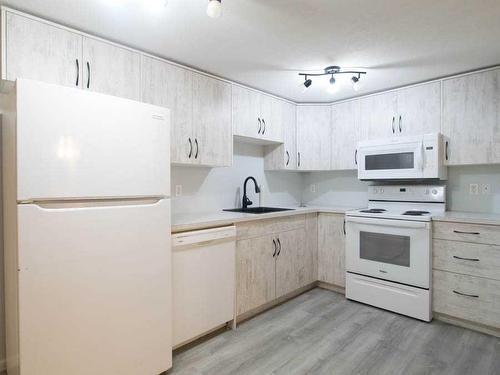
x=247, y=202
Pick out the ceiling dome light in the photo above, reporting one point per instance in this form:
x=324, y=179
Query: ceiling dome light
x=214, y=8
x=356, y=84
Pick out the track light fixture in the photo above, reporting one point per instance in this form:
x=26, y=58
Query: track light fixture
x=332, y=70
x=214, y=8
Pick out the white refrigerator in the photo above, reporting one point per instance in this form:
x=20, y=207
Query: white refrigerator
x=86, y=182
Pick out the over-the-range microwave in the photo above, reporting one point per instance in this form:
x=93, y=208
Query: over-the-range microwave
x=402, y=158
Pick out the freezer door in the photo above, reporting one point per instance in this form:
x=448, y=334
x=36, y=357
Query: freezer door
x=95, y=289
x=78, y=144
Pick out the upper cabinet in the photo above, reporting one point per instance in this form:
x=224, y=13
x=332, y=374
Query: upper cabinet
x=419, y=109
x=410, y=111
x=200, y=110
x=39, y=51
x=314, y=137
x=471, y=118
x=284, y=156
x=256, y=116
x=171, y=86
x=212, y=121
x=345, y=134
x=110, y=69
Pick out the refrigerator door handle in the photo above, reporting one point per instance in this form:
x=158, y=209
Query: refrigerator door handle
x=94, y=203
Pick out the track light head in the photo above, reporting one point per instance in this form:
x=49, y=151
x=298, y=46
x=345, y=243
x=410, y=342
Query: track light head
x=214, y=8
x=308, y=82
x=356, y=84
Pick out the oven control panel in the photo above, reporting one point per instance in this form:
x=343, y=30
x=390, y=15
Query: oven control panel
x=407, y=193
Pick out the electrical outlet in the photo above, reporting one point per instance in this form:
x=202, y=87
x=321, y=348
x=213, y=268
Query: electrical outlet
x=485, y=189
x=473, y=189
x=313, y=188
x=178, y=190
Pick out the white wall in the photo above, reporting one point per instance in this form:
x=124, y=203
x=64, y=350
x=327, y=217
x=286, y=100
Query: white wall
x=206, y=189
x=343, y=188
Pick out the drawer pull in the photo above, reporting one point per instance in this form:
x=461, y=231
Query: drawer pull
x=460, y=232
x=465, y=294
x=470, y=259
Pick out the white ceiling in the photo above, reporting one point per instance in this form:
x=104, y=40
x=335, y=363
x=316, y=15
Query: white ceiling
x=265, y=43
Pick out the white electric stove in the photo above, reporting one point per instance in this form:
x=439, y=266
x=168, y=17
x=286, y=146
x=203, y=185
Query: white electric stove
x=388, y=248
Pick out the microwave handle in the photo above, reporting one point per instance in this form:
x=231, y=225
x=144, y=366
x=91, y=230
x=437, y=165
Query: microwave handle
x=387, y=222
x=420, y=157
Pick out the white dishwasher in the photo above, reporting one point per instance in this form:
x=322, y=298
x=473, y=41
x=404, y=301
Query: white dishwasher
x=203, y=269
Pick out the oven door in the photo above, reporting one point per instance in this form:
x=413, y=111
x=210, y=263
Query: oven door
x=395, y=250
x=391, y=161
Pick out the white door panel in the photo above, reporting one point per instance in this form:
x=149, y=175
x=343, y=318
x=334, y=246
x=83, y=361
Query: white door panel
x=95, y=289
x=77, y=144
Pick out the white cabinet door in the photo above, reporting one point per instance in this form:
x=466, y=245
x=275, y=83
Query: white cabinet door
x=471, y=112
x=345, y=134
x=314, y=137
x=284, y=156
x=378, y=116
x=212, y=121
x=246, y=112
x=110, y=69
x=271, y=114
x=90, y=279
x=331, y=249
x=419, y=109
x=171, y=86
x=36, y=50
x=76, y=144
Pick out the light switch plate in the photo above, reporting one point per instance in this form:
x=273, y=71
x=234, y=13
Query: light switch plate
x=313, y=188
x=178, y=190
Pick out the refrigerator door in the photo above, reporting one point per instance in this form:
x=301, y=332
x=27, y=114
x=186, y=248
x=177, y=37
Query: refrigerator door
x=78, y=144
x=95, y=289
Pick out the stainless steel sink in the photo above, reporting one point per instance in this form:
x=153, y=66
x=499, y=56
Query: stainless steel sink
x=258, y=210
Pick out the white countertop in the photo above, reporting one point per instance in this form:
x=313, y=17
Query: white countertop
x=193, y=221
x=468, y=217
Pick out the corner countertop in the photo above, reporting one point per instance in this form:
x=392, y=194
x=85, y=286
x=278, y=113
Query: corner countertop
x=468, y=217
x=194, y=221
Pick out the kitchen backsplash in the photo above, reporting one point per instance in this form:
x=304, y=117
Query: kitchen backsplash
x=205, y=189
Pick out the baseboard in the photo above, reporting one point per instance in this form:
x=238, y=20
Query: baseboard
x=331, y=287
x=467, y=324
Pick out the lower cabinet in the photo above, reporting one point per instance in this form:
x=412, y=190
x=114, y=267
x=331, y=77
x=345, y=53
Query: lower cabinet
x=273, y=259
x=331, y=249
x=466, y=274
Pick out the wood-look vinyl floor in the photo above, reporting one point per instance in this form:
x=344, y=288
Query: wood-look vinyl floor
x=320, y=332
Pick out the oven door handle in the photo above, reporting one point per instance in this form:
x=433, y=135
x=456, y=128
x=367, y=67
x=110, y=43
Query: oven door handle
x=387, y=222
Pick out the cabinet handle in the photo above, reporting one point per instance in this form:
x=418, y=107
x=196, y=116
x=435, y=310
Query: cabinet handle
x=275, y=247
x=465, y=294
x=264, y=122
x=88, y=75
x=446, y=150
x=77, y=72
x=470, y=259
x=393, y=120
x=288, y=158
x=190, y=148
x=298, y=159
x=343, y=228
x=356, y=157
x=197, y=148
x=460, y=232
x=400, y=129
x=279, y=251
x=260, y=126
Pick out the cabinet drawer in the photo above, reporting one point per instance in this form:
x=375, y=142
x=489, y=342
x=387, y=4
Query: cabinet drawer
x=260, y=228
x=488, y=234
x=467, y=297
x=467, y=258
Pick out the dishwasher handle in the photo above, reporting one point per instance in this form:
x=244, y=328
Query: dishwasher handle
x=197, y=237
